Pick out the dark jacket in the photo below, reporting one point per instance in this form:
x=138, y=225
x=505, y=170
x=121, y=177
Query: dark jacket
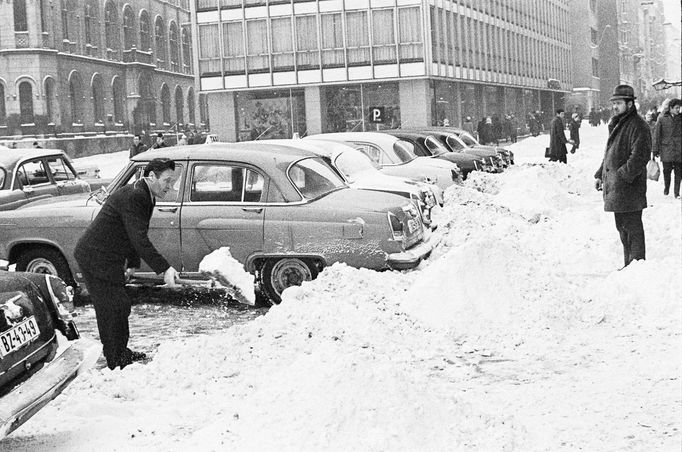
x=575, y=131
x=623, y=169
x=117, y=237
x=159, y=146
x=134, y=150
x=667, y=141
x=557, y=138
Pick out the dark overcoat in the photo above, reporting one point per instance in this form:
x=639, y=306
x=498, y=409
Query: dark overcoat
x=623, y=169
x=117, y=238
x=557, y=139
x=575, y=131
x=667, y=141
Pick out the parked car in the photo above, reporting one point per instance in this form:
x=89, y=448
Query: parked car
x=33, y=308
x=469, y=140
x=425, y=144
x=360, y=172
x=30, y=174
x=396, y=157
x=283, y=211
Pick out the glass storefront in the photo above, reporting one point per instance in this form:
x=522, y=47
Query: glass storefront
x=271, y=114
x=445, y=109
x=346, y=108
x=471, y=101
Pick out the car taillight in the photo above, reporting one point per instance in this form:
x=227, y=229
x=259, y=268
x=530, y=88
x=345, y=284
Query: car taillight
x=396, y=227
x=62, y=296
x=455, y=174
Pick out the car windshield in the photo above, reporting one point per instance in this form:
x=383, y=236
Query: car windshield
x=435, y=146
x=353, y=162
x=2, y=178
x=314, y=178
x=468, y=139
x=455, y=143
x=403, y=152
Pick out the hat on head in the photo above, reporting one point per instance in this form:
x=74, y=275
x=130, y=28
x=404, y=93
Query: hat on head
x=624, y=92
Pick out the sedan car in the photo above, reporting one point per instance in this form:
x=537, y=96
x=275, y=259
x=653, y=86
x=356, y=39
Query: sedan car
x=360, y=172
x=33, y=308
x=397, y=157
x=30, y=174
x=469, y=140
x=284, y=213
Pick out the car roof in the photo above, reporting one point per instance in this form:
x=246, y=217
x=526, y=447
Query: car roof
x=329, y=149
x=408, y=133
x=381, y=139
x=10, y=157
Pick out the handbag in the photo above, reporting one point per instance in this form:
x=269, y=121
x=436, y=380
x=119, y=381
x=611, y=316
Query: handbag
x=652, y=170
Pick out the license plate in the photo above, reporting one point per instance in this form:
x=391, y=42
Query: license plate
x=412, y=225
x=18, y=336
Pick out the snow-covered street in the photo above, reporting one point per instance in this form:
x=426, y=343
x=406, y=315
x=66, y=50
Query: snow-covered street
x=517, y=334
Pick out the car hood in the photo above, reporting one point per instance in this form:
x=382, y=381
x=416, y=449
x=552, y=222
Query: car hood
x=432, y=162
x=458, y=157
x=360, y=201
x=61, y=202
x=481, y=151
x=383, y=182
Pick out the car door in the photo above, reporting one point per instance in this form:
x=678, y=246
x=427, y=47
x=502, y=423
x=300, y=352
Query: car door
x=65, y=176
x=164, y=225
x=224, y=206
x=35, y=179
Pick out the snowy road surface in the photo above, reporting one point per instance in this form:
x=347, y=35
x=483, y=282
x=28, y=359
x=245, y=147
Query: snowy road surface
x=518, y=334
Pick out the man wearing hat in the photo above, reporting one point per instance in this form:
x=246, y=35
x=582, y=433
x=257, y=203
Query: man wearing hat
x=110, y=250
x=622, y=174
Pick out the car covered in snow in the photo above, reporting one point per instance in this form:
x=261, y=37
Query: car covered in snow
x=469, y=140
x=397, y=157
x=283, y=211
x=34, y=308
x=28, y=175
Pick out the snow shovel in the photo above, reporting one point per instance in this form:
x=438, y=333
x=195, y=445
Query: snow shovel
x=208, y=280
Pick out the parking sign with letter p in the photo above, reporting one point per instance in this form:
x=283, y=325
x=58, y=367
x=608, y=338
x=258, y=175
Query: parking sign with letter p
x=377, y=115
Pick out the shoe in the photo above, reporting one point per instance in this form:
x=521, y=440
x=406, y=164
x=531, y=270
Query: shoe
x=124, y=360
x=666, y=191
x=135, y=356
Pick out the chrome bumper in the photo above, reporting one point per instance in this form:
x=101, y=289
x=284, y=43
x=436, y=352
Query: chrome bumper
x=409, y=258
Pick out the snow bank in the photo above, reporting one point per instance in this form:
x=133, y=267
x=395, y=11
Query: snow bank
x=221, y=262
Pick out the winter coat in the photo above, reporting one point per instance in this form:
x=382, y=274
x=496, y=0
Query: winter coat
x=667, y=141
x=623, y=169
x=469, y=127
x=575, y=131
x=557, y=139
x=134, y=150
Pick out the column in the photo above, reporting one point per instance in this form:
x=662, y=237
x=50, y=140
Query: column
x=221, y=110
x=415, y=103
x=314, y=114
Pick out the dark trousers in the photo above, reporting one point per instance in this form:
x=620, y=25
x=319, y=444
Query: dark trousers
x=112, y=308
x=631, y=230
x=668, y=167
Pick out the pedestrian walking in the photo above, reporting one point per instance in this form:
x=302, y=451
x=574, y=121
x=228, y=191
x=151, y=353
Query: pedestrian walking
x=137, y=147
x=183, y=140
x=159, y=143
x=622, y=174
x=468, y=125
x=667, y=143
x=557, y=138
x=574, y=128
x=110, y=250
x=37, y=145
x=486, y=134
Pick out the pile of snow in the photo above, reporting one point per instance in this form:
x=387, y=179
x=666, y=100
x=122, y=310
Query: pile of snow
x=222, y=263
x=109, y=165
x=519, y=333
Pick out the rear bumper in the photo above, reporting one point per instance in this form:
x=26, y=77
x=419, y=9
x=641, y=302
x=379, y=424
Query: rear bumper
x=25, y=400
x=409, y=258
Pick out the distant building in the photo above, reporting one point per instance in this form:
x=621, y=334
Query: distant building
x=278, y=67
x=95, y=67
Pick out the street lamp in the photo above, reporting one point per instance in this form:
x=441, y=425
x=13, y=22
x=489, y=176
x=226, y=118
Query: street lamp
x=662, y=84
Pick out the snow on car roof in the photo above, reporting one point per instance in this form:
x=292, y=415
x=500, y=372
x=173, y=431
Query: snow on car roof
x=10, y=157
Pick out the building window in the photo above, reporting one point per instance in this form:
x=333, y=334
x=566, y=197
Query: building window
x=383, y=37
x=119, y=100
x=332, y=40
x=76, y=94
x=357, y=38
x=145, y=32
x=147, y=109
x=98, y=99
x=160, y=40
x=20, y=22
x=282, y=44
x=70, y=26
x=174, y=47
x=166, y=104
x=307, y=53
x=3, y=112
x=50, y=100
x=209, y=49
x=595, y=67
x=270, y=114
x=111, y=26
x=190, y=106
x=410, y=34
x=179, y=106
x=593, y=5
x=207, y=5
x=26, y=102
x=257, y=45
x=129, y=40
x=233, y=47
x=91, y=22
x=186, y=50
x=347, y=107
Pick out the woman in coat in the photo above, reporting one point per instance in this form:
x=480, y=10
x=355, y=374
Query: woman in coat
x=557, y=138
x=667, y=143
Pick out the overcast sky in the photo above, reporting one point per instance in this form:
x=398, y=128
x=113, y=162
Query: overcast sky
x=672, y=11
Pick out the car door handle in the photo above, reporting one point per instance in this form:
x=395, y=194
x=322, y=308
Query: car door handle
x=168, y=209
x=252, y=209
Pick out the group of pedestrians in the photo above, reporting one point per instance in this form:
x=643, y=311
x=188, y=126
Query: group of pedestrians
x=556, y=152
x=492, y=129
x=139, y=147
x=598, y=116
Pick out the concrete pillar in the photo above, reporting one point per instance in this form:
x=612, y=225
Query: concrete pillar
x=458, y=104
x=314, y=111
x=221, y=110
x=415, y=103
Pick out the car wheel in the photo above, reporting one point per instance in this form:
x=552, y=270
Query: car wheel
x=278, y=274
x=46, y=261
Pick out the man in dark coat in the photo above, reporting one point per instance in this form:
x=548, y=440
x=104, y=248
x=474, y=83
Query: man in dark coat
x=557, y=138
x=110, y=250
x=622, y=174
x=159, y=143
x=667, y=142
x=138, y=147
x=574, y=127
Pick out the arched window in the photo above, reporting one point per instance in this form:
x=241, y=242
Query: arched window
x=91, y=27
x=70, y=25
x=160, y=41
x=76, y=95
x=148, y=107
x=186, y=50
x=20, y=20
x=145, y=32
x=26, y=102
x=174, y=47
x=166, y=103
x=111, y=26
x=98, y=98
x=129, y=39
x=119, y=100
x=179, y=106
x=3, y=112
x=190, y=106
x=50, y=100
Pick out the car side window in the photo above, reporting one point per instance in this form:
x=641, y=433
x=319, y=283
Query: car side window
x=454, y=144
x=33, y=172
x=371, y=151
x=2, y=178
x=60, y=170
x=173, y=194
x=226, y=183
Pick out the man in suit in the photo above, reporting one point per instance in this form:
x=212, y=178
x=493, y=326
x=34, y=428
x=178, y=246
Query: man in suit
x=557, y=138
x=109, y=252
